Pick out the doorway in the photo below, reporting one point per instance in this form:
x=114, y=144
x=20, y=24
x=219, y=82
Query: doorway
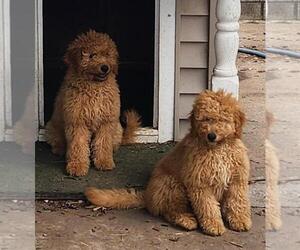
x=131, y=24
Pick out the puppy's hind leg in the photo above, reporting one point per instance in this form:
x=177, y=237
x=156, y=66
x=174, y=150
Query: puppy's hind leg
x=166, y=197
x=55, y=136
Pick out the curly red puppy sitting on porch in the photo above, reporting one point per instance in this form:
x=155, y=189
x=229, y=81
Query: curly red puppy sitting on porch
x=87, y=107
x=204, y=177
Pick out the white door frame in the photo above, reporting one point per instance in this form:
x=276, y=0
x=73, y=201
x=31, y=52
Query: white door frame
x=164, y=78
x=5, y=71
x=166, y=67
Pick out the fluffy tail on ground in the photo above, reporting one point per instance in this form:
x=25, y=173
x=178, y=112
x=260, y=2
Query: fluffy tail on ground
x=133, y=122
x=115, y=198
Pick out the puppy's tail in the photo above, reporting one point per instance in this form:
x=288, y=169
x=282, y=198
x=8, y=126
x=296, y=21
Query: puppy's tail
x=133, y=123
x=115, y=198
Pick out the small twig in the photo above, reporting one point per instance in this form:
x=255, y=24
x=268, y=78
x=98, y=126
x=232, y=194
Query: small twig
x=155, y=229
x=251, y=120
x=174, y=239
x=235, y=244
x=84, y=244
x=258, y=179
x=99, y=208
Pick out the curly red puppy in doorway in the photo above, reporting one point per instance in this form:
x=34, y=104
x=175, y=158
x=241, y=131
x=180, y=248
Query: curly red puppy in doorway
x=203, y=178
x=87, y=107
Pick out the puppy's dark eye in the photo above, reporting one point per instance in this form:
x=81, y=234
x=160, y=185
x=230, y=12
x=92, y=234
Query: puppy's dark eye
x=93, y=55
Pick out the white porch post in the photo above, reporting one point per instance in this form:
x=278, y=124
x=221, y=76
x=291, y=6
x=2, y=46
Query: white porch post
x=226, y=46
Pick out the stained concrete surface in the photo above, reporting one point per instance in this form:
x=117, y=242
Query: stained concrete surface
x=134, y=164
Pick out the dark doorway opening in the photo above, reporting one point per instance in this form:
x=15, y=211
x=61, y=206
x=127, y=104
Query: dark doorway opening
x=131, y=24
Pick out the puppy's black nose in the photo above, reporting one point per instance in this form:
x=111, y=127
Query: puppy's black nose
x=211, y=137
x=104, y=68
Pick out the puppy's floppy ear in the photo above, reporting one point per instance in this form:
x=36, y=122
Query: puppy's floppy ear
x=192, y=119
x=71, y=56
x=239, y=122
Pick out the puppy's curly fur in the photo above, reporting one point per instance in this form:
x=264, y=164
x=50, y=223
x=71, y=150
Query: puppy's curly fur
x=203, y=178
x=87, y=107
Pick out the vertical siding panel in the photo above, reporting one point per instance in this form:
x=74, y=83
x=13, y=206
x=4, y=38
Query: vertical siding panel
x=197, y=7
x=185, y=105
x=193, y=55
x=184, y=126
x=212, y=33
x=194, y=29
x=192, y=80
x=192, y=62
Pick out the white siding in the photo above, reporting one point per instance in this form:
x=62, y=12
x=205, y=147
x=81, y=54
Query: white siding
x=192, y=62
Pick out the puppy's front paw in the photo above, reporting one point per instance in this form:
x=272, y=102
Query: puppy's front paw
x=214, y=227
x=240, y=223
x=104, y=164
x=187, y=221
x=77, y=168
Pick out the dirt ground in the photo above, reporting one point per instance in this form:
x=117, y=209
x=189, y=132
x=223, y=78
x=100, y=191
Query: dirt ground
x=72, y=226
